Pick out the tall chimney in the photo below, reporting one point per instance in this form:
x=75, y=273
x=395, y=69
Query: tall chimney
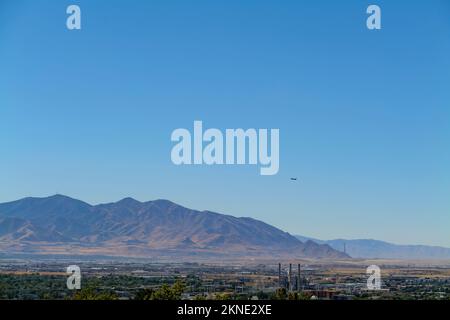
x=279, y=275
x=299, y=281
x=290, y=277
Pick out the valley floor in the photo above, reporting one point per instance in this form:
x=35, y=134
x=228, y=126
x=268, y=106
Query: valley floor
x=332, y=280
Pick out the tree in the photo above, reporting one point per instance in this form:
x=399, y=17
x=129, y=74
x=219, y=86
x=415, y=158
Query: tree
x=144, y=294
x=293, y=296
x=91, y=294
x=280, y=294
x=222, y=296
x=165, y=292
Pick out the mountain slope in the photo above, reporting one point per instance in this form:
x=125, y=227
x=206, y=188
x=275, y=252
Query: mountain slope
x=132, y=228
x=368, y=248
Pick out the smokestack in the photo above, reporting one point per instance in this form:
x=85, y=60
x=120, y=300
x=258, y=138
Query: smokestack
x=279, y=275
x=299, y=279
x=290, y=277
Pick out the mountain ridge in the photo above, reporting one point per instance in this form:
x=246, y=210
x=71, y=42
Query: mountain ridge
x=378, y=249
x=133, y=228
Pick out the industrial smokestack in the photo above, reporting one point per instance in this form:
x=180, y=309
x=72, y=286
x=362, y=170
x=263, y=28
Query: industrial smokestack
x=290, y=276
x=279, y=275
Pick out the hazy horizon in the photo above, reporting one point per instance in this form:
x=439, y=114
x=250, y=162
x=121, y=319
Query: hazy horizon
x=150, y=200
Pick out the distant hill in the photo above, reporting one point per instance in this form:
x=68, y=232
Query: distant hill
x=62, y=225
x=368, y=248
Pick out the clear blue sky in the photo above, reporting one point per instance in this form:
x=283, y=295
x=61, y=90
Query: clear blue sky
x=364, y=116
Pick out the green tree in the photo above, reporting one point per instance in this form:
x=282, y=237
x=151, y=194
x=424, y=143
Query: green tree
x=280, y=294
x=91, y=294
x=222, y=296
x=293, y=296
x=165, y=292
x=144, y=294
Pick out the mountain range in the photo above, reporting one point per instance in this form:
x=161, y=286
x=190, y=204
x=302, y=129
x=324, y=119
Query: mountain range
x=376, y=249
x=60, y=225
